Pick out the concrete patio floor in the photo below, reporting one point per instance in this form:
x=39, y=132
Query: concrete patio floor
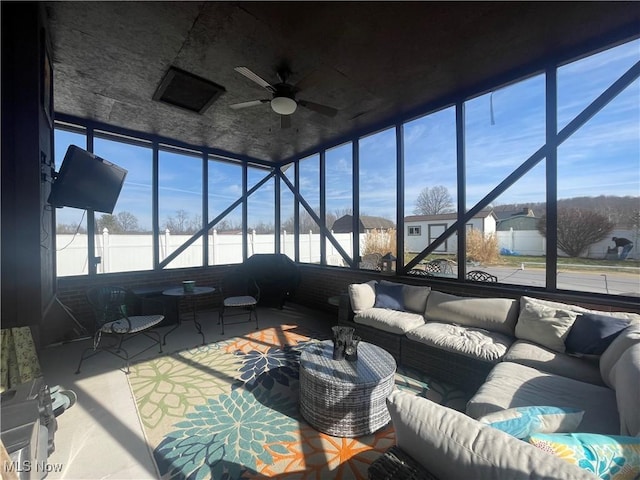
x=101, y=435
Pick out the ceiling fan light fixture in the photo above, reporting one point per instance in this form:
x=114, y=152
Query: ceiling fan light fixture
x=283, y=105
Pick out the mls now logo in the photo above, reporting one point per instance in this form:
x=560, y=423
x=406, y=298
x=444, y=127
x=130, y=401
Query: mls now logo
x=27, y=466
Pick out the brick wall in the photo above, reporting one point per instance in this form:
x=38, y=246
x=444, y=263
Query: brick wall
x=58, y=326
x=318, y=284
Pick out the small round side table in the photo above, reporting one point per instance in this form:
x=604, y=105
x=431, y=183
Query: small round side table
x=179, y=292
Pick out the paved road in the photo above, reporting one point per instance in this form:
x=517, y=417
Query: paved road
x=615, y=283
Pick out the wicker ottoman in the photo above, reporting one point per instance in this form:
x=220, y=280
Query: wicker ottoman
x=346, y=398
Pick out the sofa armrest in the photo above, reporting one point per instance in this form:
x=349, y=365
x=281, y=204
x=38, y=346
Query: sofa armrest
x=345, y=311
x=453, y=446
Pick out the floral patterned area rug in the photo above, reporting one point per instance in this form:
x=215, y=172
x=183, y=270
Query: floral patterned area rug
x=229, y=410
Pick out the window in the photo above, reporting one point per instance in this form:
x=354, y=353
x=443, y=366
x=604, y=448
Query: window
x=224, y=189
x=180, y=207
x=599, y=176
x=339, y=201
x=260, y=213
x=593, y=171
x=309, y=189
x=378, y=193
x=71, y=223
x=124, y=240
x=430, y=188
x=503, y=129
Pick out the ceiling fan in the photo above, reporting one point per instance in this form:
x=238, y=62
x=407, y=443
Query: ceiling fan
x=283, y=101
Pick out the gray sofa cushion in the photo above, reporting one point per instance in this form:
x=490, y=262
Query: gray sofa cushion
x=513, y=385
x=632, y=317
x=392, y=321
x=469, y=341
x=626, y=379
x=453, y=446
x=495, y=314
x=629, y=336
x=538, y=357
x=415, y=297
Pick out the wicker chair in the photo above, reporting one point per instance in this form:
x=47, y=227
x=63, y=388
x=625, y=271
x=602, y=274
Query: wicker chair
x=241, y=293
x=112, y=307
x=480, y=276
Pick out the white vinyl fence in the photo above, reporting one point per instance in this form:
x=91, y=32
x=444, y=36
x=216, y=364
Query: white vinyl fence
x=531, y=243
x=122, y=253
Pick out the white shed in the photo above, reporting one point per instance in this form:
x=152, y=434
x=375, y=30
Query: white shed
x=421, y=230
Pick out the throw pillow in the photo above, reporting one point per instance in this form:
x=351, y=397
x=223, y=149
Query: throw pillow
x=546, y=326
x=592, y=334
x=522, y=422
x=362, y=295
x=389, y=296
x=606, y=456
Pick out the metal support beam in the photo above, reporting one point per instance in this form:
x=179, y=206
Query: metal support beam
x=400, y=199
x=205, y=208
x=155, y=196
x=462, y=189
x=551, y=175
x=355, y=230
x=277, y=220
x=92, y=260
x=323, y=208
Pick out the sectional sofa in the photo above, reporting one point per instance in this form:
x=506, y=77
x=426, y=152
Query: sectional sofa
x=522, y=360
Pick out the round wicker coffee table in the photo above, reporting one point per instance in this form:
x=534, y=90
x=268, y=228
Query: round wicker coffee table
x=345, y=398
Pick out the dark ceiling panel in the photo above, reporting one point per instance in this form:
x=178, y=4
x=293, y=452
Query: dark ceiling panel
x=373, y=61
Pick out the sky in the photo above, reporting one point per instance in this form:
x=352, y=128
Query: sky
x=502, y=129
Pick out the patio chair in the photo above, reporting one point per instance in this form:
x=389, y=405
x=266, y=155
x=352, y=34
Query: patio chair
x=480, y=276
x=419, y=273
x=112, y=306
x=445, y=265
x=241, y=293
x=370, y=261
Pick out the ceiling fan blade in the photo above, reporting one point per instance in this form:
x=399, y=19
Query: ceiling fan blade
x=251, y=103
x=255, y=78
x=285, y=121
x=316, y=107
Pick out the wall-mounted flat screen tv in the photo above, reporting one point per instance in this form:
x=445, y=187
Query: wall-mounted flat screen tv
x=87, y=181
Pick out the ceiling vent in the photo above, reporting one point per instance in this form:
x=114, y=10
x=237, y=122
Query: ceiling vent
x=186, y=90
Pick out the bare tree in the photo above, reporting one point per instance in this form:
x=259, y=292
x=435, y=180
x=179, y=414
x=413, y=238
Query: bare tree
x=228, y=225
x=127, y=222
x=110, y=222
x=578, y=229
x=70, y=228
x=433, y=201
x=179, y=223
x=306, y=223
